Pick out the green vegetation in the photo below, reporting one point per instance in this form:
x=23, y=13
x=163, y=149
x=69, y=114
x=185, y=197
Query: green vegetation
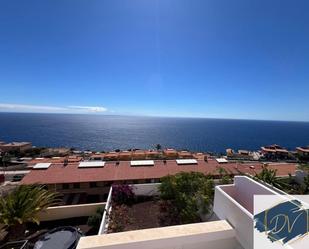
x=95, y=220
x=305, y=187
x=269, y=176
x=224, y=177
x=158, y=147
x=23, y=205
x=304, y=166
x=286, y=184
x=186, y=196
x=5, y=159
x=123, y=194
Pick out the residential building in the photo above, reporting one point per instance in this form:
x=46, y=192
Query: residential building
x=125, y=155
x=91, y=180
x=170, y=153
x=111, y=156
x=15, y=146
x=138, y=155
x=303, y=153
x=152, y=154
x=275, y=152
x=185, y=154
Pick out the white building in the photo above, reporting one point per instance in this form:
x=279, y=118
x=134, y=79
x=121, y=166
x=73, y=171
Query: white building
x=233, y=205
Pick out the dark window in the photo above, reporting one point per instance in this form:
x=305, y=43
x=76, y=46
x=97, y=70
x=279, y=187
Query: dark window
x=93, y=185
x=76, y=185
x=65, y=186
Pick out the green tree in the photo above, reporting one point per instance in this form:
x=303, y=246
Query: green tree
x=190, y=193
x=23, y=205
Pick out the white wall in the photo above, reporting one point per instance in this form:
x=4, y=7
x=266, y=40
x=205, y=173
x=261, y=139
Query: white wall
x=235, y=203
x=246, y=188
x=226, y=208
x=70, y=211
x=147, y=189
x=208, y=235
x=299, y=176
x=108, y=207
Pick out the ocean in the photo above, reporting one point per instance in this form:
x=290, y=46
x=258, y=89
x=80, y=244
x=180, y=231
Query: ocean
x=105, y=133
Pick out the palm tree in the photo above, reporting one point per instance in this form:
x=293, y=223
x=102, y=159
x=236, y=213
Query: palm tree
x=23, y=205
x=269, y=176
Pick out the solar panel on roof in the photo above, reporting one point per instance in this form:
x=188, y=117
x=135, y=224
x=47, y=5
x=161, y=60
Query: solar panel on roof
x=91, y=164
x=221, y=160
x=41, y=166
x=186, y=161
x=142, y=163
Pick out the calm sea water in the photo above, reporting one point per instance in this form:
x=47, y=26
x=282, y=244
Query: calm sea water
x=98, y=132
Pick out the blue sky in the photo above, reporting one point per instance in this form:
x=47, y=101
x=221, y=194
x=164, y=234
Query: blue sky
x=202, y=58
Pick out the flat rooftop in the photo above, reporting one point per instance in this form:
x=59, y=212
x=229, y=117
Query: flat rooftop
x=58, y=173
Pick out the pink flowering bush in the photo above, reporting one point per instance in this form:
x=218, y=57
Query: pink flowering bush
x=123, y=194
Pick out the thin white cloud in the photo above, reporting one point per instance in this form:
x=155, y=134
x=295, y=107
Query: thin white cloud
x=89, y=108
x=5, y=107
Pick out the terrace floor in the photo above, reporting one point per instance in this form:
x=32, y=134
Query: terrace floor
x=144, y=215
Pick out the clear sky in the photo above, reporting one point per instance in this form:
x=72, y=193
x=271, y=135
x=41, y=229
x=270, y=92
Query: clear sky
x=201, y=58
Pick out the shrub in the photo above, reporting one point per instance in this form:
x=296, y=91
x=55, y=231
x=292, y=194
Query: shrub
x=169, y=215
x=224, y=176
x=123, y=194
x=190, y=193
x=95, y=220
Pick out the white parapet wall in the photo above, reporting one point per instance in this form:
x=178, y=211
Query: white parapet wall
x=107, y=210
x=241, y=219
x=235, y=203
x=147, y=189
x=70, y=211
x=207, y=235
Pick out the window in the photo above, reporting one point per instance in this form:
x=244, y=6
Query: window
x=65, y=186
x=76, y=185
x=93, y=184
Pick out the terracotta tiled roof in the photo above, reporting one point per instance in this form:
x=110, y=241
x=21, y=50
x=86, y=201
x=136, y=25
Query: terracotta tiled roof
x=273, y=148
x=303, y=149
x=57, y=173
